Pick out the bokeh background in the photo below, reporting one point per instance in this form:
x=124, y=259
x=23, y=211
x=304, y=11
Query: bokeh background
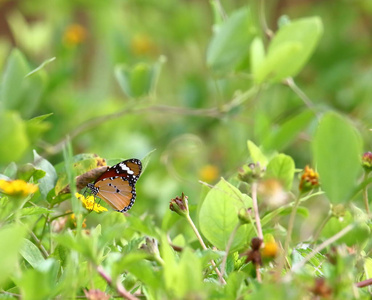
x=181, y=117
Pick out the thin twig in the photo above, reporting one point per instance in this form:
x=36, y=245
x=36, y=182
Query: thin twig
x=203, y=245
x=364, y=283
x=293, y=86
x=40, y=245
x=228, y=246
x=258, y=273
x=255, y=209
x=269, y=34
x=325, y=221
x=119, y=287
x=365, y=193
x=326, y=243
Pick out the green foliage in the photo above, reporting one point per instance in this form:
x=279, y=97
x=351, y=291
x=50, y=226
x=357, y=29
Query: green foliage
x=218, y=215
x=230, y=43
x=261, y=129
x=337, y=151
x=288, y=51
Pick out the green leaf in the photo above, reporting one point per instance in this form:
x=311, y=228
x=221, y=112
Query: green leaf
x=12, y=238
x=290, y=49
x=31, y=253
x=218, y=216
x=48, y=181
x=13, y=133
x=282, y=168
x=44, y=277
x=19, y=92
x=29, y=171
x=357, y=236
x=189, y=264
x=11, y=170
x=288, y=131
x=139, y=80
x=230, y=44
x=257, y=54
x=15, y=71
x=256, y=154
x=34, y=210
x=36, y=126
x=337, y=149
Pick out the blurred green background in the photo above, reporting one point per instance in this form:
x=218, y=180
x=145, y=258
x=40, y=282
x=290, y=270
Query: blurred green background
x=95, y=41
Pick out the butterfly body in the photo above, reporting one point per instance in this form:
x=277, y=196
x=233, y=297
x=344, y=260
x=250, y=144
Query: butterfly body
x=116, y=186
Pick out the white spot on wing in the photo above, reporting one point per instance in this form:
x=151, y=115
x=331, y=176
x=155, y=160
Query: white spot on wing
x=125, y=168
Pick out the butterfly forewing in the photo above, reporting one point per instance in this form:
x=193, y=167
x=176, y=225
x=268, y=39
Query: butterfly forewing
x=117, y=185
x=129, y=169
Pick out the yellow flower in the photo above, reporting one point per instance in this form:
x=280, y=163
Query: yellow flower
x=17, y=187
x=270, y=250
x=73, y=218
x=142, y=44
x=89, y=203
x=209, y=173
x=75, y=34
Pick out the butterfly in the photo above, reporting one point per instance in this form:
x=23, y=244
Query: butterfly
x=116, y=186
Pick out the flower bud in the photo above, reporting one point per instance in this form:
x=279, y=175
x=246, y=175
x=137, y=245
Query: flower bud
x=179, y=205
x=367, y=161
x=244, y=216
x=251, y=172
x=309, y=180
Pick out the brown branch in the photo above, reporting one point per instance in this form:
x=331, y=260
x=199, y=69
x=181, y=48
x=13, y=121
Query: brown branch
x=364, y=283
x=119, y=287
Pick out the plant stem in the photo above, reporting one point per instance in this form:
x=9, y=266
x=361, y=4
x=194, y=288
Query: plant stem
x=203, y=245
x=255, y=208
x=364, y=283
x=228, y=246
x=258, y=273
x=323, y=245
x=288, y=237
x=119, y=287
x=293, y=86
x=365, y=193
x=291, y=225
x=325, y=221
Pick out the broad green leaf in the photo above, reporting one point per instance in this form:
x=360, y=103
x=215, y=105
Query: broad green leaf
x=357, y=236
x=218, y=216
x=290, y=49
x=282, y=168
x=34, y=210
x=288, y=131
x=189, y=264
x=36, y=126
x=48, y=181
x=170, y=264
x=18, y=91
x=139, y=80
x=11, y=170
x=257, y=53
x=11, y=86
x=39, y=283
x=31, y=253
x=256, y=154
x=337, y=149
x=230, y=43
x=11, y=238
x=13, y=132
x=29, y=171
